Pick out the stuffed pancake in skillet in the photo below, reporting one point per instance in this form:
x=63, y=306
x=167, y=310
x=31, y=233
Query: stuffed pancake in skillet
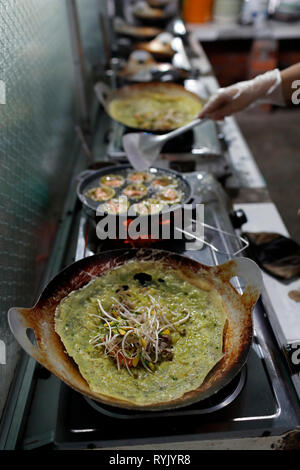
x=143, y=332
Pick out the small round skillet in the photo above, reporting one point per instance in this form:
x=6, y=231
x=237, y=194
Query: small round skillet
x=90, y=178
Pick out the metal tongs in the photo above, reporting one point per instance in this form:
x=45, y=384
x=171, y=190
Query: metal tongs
x=224, y=232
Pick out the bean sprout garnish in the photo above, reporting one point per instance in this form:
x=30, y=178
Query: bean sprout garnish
x=133, y=337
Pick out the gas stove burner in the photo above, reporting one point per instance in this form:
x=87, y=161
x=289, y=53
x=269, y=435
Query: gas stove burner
x=186, y=143
x=183, y=166
x=180, y=144
x=170, y=240
x=177, y=245
x=212, y=404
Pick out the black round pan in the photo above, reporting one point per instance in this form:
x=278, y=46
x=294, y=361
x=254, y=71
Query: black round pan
x=137, y=33
x=153, y=16
x=90, y=178
x=158, y=3
x=163, y=72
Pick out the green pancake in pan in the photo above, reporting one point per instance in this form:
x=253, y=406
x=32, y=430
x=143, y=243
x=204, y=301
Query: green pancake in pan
x=143, y=332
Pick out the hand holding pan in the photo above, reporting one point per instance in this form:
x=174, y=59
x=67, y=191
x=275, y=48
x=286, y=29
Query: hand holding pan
x=50, y=351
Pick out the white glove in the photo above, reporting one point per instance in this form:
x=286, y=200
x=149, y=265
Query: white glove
x=265, y=88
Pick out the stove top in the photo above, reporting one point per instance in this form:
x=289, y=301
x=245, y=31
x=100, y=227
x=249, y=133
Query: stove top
x=203, y=148
x=218, y=244
x=198, y=142
x=247, y=399
x=257, y=403
x=260, y=402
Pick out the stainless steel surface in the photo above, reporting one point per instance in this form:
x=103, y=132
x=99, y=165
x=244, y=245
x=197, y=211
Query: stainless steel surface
x=142, y=149
x=241, y=240
x=180, y=58
x=202, y=148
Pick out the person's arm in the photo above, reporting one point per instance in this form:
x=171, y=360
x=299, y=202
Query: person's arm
x=272, y=87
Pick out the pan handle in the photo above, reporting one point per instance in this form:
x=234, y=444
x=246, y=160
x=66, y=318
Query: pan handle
x=84, y=174
x=19, y=326
x=102, y=92
x=244, y=268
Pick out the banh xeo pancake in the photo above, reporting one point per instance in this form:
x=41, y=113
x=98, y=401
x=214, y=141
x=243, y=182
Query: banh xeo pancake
x=155, y=110
x=143, y=332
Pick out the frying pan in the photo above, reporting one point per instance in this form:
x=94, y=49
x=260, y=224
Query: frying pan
x=162, y=47
x=141, y=67
x=90, y=178
x=152, y=15
x=106, y=95
x=158, y=3
x=50, y=352
x=137, y=33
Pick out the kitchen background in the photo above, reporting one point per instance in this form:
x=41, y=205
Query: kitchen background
x=38, y=139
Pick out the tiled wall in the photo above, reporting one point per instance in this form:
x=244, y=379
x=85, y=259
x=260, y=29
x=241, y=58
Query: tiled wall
x=36, y=135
